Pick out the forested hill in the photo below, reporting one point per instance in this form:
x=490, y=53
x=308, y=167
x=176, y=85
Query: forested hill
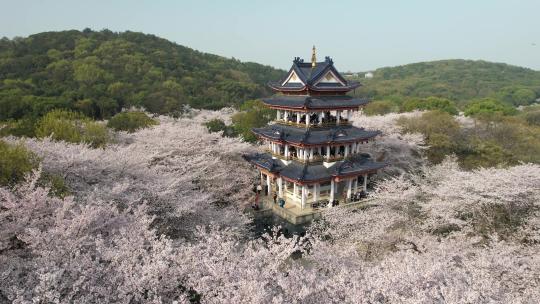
x=98, y=73
x=458, y=80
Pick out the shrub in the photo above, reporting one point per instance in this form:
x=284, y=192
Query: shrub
x=22, y=127
x=131, y=121
x=380, y=107
x=493, y=140
x=61, y=125
x=533, y=117
x=72, y=127
x=55, y=183
x=489, y=106
x=218, y=125
x=95, y=133
x=430, y=103
x=215, y=125
x=485, y=153
x=15, y=162
x=440, y=131
x=254, y=115
x=516, y=95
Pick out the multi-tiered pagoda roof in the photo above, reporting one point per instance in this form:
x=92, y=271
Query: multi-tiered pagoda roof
x=323, y=77
x=309, y=174
x=315, y=137
x=312, y=144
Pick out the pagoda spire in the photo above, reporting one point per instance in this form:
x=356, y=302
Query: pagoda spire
x=313, y=57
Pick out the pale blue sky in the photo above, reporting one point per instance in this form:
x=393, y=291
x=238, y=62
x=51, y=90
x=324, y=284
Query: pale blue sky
x=358, y=35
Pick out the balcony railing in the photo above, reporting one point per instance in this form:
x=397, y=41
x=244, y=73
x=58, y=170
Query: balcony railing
x=343, y=122
x=314, y=159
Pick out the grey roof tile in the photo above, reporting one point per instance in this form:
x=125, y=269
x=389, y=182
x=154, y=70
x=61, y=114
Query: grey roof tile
x=315, y=136
x=355, y=165
x=315, y=102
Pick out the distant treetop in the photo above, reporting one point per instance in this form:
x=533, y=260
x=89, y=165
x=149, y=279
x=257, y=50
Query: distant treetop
x=99, y=73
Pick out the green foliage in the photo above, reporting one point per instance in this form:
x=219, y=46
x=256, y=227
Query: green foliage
x=99, y=73
x=485, y=153
x=494, y=140
x=488, y=106
x=440, y=130
x=533, y=117
x=218, y=125
x=430, y=103
x=253, y=115
x=22, y=127
x=72, y=127
x=95, y=133
x=131, y=121
x=531, y=114
x=457, y=80
x=380, y=107
x=15, y=162
x=215, y=125
x=55, y=183
x=516, y=95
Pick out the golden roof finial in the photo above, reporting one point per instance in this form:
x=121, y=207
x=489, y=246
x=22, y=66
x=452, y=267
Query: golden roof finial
x=313, y=58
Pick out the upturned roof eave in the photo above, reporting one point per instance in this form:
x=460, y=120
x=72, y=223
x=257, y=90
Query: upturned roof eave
x=280, y=88
x=302, y=143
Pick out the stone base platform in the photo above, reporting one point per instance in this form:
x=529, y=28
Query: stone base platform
x=294, y=214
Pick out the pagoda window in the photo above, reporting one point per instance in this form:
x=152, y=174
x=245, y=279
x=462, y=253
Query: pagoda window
x=293, y=152
x=333, y=151
x=341, y=151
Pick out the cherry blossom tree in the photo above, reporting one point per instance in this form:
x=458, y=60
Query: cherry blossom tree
x=156, y=217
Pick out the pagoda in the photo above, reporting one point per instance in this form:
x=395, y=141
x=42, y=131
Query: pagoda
x=314, y=154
